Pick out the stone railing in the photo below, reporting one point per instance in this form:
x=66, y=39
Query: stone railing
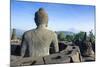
x=68, y=54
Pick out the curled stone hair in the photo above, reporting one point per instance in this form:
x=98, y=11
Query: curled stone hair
x=41, y=17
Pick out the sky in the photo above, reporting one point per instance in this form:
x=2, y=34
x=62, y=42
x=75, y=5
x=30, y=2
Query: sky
x=62, y=17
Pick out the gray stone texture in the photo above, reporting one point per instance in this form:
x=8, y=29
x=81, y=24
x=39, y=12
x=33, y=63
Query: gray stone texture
x=56, y=58
x=36, y=42
x=69, y=55
x=88, y=49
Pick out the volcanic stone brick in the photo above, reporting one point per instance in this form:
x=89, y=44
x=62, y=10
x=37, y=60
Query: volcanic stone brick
x=56, y=58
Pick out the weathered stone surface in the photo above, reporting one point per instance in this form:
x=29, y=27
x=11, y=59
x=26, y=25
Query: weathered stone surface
x=87, y=59
x=62, y=46
x=88, y=51
x=76, y=57
x=36, y=42
x=15, y=50
x=26, y=61
x=14, y=37
x=70, y=55
x=56, y=58
x=41, y=17
x=73, y=54
x=14, y=60
x=86, y=47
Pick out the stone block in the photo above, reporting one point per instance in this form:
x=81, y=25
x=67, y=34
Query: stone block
x=27, y=61
x=56, y=58
x=88, y=59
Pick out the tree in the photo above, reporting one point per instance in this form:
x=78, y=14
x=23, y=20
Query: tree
x=61, y=36
x=79, y=36
x=69, y=37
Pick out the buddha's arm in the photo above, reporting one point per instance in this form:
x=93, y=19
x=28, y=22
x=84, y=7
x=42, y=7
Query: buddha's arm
x=23, y=45
x=55, y=43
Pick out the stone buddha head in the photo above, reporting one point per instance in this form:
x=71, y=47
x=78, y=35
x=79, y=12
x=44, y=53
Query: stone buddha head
x=41, y=17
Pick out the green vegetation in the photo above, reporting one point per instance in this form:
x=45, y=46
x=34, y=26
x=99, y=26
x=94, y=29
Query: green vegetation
x=69, y=38
x=78, y=36
x=61, y=36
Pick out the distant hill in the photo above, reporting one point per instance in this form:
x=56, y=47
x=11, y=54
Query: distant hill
x=19, y=32
x=66, y=32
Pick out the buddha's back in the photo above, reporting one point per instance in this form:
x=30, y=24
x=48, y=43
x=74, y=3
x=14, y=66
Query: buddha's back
x=39, y=41
x=36, y=43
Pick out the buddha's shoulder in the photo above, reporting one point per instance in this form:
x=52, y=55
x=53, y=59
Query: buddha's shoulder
x=52, y=32
x=34, y=30
x=29, y=32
